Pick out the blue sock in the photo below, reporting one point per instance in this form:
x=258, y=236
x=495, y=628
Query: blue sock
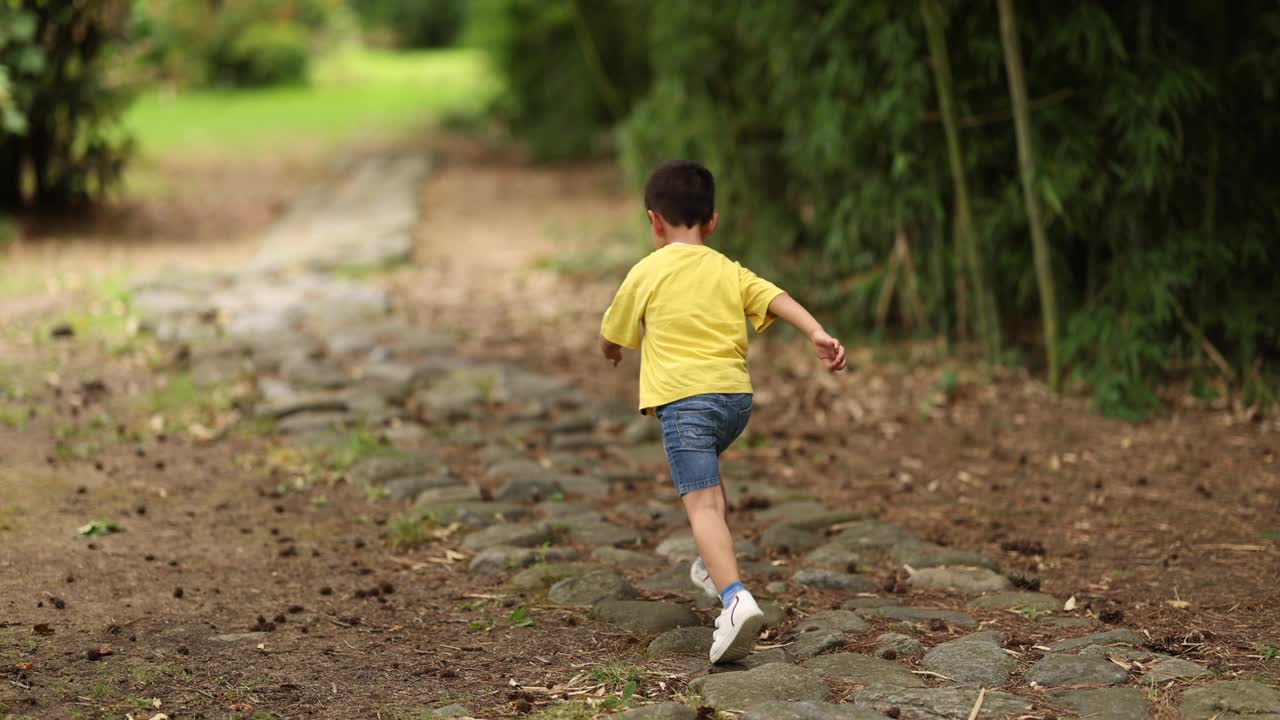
x=726, y=595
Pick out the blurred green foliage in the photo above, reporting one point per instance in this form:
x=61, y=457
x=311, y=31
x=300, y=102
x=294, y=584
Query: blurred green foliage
x=241, y=43
x=820, y=119
x=572, y=68
x=60, y=101
x=414, y=23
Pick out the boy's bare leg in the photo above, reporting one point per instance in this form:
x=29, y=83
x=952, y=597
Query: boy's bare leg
x=706, y=509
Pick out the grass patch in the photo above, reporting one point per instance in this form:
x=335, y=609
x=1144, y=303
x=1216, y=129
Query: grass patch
x=404, y=531
x=359, y=444
x=181, y=395
x=615, y=676
x=13, y=415
x=352, y=94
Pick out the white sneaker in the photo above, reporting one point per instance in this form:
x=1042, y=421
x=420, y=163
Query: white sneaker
x=737, y=629
x=702, y=579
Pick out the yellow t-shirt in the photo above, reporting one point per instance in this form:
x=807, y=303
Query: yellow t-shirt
x=692, y=301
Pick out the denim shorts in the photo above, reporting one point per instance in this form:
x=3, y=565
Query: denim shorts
x=695, y=430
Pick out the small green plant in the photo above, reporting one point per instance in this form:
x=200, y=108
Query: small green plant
x=520, y=618
x=1034, y=614
x=13, y=416
x=98, y=527
x=100, y=689
x=405, y=531
x=626, y=700
x=374, y=492
x=616, y=676
x=1269, y=652
x=1271, y=534
x=359, y=444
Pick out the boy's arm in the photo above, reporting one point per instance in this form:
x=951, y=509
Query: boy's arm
x=620, y=326
x=829, y=350
x=612, y=350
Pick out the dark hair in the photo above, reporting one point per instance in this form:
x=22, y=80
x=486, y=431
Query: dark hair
x=682, y=192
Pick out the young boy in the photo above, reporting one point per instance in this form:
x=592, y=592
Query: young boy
x=691, y=301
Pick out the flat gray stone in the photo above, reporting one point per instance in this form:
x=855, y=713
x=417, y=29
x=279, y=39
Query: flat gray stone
x=911, y=614
x=411, y=487
x=592, y=486
x=1156, y=667
x=578, y=441
x=1103, y=703
x=643, y=615
x=626, y=559
x=591, y=588
x=682, y=641
x=835, y=555
x=469, y=513
x=762, y=570
x=529, y=488
x=380, y=469
x=1058, y=670
x=833, y=620
x=1109, y=637
x=682, y=547
x=775, y=613
x=515, y=535
x=662, y=711
x=790, y=539
x=542, y=577
x=1017, y=600
x=892, y=646
x=942, y=703
x=806, y=515
x=970, y=663
x=919, y=555
x=864, y=670
x=642, y=430
x=967, y=580
x=772, y=682
x=765, y=657
x=674, y=579
x=809, y=711
x=645, y=454
x=500, y=559
x=1231, y=700
x=604, y=533
x=871, y=535
x=860, y=603
x=1066, y=622
x=830, y=580
x=811, y=644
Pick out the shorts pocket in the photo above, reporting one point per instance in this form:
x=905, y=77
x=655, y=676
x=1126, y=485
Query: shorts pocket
x=698, y=429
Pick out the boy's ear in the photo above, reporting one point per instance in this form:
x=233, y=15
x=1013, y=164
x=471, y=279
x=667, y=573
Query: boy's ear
x=658, y=223
x=710, y=226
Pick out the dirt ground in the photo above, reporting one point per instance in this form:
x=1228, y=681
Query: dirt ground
x=1170, y=527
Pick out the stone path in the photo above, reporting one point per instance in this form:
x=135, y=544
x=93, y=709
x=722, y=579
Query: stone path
x=560, y=498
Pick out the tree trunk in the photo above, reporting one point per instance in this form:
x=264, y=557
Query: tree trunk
x=1027, y=166
x=966, y=243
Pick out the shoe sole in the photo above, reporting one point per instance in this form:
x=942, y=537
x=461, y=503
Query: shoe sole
x=744, y=642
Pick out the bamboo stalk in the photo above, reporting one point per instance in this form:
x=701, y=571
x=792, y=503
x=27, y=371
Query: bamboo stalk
x=966, y=243
x=1027, y=165
x=910, y=282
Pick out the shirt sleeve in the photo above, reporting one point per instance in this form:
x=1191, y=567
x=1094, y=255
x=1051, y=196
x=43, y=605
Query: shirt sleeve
x=757, y=293
x=621, y=323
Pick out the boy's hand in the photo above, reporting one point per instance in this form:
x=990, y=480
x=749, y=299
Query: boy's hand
x=612, y=351
x=829, y=350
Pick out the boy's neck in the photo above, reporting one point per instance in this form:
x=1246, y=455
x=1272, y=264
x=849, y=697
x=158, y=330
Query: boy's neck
x=683, y=236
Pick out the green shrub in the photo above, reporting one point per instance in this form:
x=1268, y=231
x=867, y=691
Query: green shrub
x=572, y=68
x=414, y=23
x=275, y=54
x=61, y=97
x=241, y=43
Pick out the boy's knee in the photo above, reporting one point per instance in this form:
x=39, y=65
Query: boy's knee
x=711, y=498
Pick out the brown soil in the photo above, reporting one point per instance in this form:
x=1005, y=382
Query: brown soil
x=235, y=536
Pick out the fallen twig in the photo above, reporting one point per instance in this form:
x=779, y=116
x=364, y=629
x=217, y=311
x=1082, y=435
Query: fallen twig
x=982, y=694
